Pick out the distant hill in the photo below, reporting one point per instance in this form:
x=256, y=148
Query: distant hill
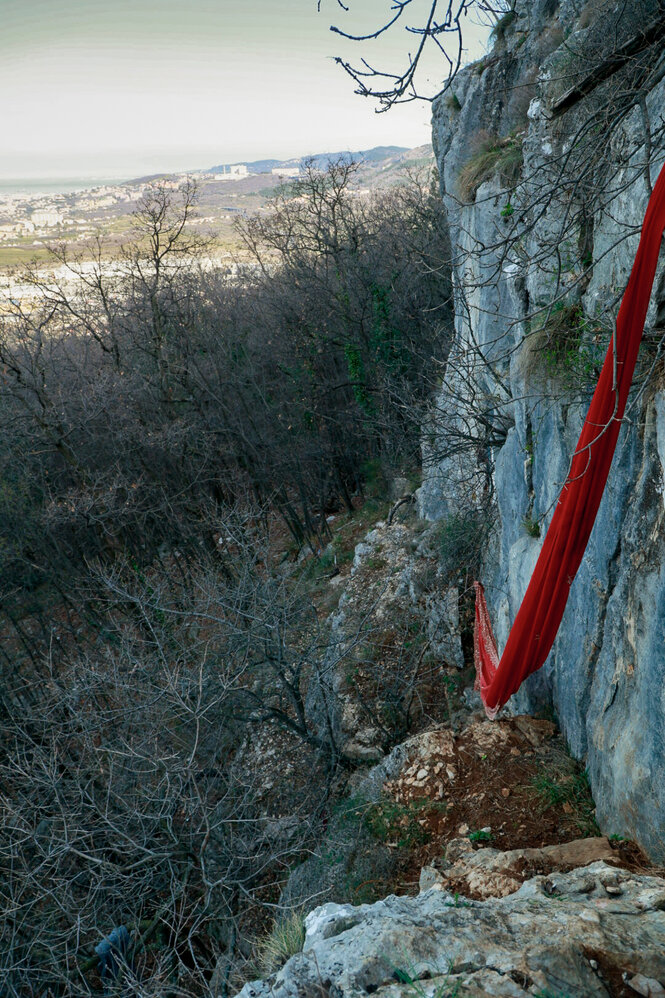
x=255, y=166
x=320, y=160
x=148, y=178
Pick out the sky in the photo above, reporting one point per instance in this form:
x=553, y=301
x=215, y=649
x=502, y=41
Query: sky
x=127, y=87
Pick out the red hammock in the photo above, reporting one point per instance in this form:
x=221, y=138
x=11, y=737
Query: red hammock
x=539, y=616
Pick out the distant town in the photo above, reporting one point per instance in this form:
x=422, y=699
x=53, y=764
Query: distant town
x=29, y=220
x=37, y=215
x=97, y=221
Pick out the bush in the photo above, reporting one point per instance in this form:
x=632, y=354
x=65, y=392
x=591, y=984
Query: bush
x=123, y=798
x=531, y=526
x=461, y=541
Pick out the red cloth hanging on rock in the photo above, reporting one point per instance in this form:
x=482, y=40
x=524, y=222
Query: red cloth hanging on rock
x=539, y=616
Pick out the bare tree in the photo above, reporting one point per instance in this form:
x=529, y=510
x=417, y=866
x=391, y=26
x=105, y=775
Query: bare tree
x=156, y=420
x=437, y=27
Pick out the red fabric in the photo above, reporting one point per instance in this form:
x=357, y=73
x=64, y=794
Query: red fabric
x=539, y=616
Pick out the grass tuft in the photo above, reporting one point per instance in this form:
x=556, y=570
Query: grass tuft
x=574, y=345
x=499, y=30
x=285, y=939
x=388, y=820
x=495, y=156
x=571, y=793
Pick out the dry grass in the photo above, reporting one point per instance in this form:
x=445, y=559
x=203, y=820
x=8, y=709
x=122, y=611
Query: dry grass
x=285, y=939
x=502, y=25
x=565, y=346
x=494, y=156
x=551, y=39
x=593, y=10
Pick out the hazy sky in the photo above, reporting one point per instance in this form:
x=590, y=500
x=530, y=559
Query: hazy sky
x=122, y=87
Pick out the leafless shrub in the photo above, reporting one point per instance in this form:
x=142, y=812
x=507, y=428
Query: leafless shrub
x=125, y=801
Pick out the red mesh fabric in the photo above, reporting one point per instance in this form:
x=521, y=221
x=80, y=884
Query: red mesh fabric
x=540, y=613
x=484, y=646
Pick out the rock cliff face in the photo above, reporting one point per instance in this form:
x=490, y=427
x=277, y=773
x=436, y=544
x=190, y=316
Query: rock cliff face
x=544, y=214
x=543, y=234
x=393, y=600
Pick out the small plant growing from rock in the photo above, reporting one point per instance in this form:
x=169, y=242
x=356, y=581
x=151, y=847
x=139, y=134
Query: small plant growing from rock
x=459, y=902
x=285, y=939
x=442, y=988
x=481, y=835
x=532, y=526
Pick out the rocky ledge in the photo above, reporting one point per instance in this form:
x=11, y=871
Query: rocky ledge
x=594, y=931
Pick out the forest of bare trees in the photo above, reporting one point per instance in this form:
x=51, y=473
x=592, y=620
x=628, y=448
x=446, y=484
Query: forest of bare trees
x=170, y=435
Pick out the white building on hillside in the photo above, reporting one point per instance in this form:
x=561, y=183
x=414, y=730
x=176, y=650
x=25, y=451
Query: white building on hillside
x=286, y=171
x=235, y=172
x=46, y=217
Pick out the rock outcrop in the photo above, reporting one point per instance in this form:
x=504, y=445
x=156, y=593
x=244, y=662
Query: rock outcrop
x=591, y=932
x=394, y=615
x=489, y=873
x=428, y=805
x=540, y=264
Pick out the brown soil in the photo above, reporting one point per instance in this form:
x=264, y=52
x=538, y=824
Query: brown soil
x=513, y=776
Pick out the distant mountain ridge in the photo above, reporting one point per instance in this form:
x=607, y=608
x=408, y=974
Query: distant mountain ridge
x=320, y=160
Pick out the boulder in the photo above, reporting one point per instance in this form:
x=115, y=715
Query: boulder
x=489, y=873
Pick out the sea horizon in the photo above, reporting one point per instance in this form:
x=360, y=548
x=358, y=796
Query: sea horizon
x=57, y=185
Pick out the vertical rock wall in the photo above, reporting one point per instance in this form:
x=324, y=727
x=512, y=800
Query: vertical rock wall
x=539, y=270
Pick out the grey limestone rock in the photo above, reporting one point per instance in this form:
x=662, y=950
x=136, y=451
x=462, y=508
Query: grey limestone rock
x=605, y=677
x=564, y=934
